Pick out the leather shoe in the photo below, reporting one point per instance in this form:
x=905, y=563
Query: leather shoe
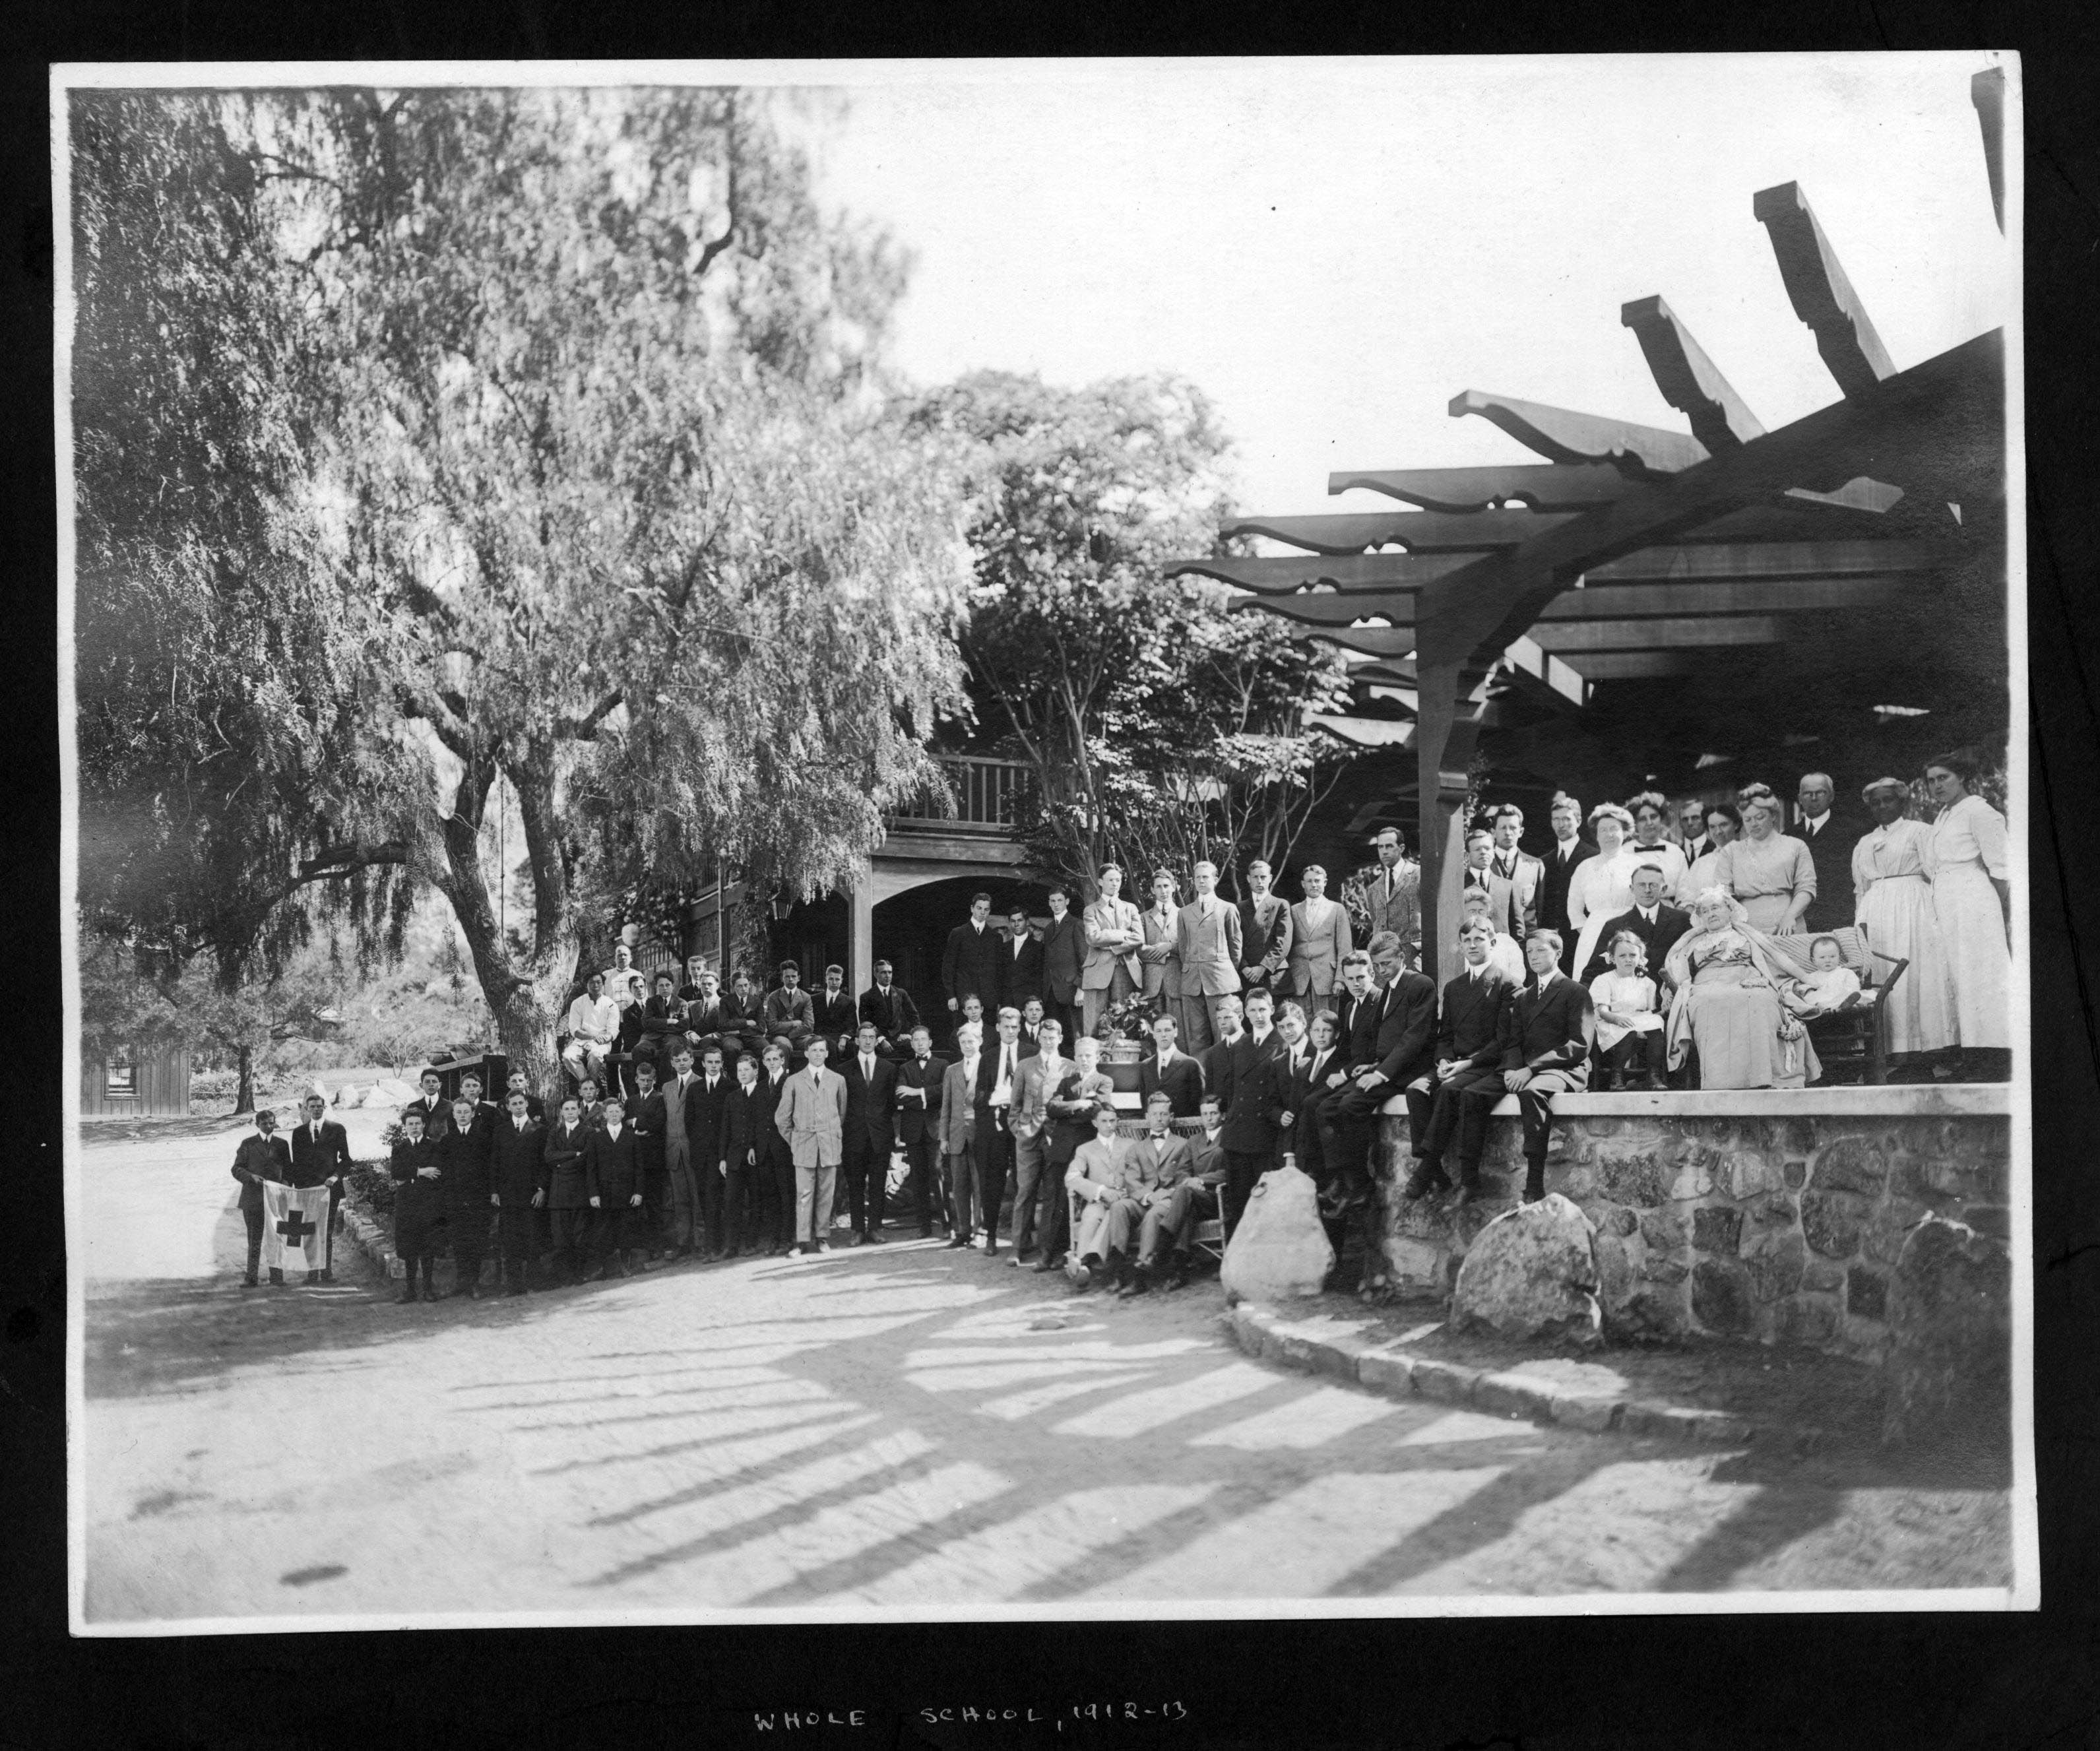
x=401, y=1300
x=328, y=1277
x=1043, y=1264
x=858, y=1238
x=1427, y=1178
x=873, y=1238
x=955, y=1243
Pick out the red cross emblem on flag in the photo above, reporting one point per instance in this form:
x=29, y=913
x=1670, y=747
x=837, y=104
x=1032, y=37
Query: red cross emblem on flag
x=295, y=1226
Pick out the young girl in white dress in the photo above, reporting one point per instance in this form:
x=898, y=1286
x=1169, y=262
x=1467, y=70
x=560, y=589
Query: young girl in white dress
x=1630, y=1031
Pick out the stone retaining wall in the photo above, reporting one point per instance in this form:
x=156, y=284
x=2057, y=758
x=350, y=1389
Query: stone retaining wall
x=1774, y=1215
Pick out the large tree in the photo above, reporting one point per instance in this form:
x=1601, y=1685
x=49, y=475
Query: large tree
x=1161, y=727
x=579, y=465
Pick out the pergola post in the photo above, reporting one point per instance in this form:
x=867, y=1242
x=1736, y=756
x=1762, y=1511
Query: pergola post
x=1444, y=738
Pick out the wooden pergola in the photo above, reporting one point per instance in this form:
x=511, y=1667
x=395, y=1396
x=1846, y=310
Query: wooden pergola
x=1633, y=552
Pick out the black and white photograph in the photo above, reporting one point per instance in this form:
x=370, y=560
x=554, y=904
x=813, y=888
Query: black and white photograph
x=880, y=841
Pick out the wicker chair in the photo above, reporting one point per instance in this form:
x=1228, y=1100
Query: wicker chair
x=1854, y=1038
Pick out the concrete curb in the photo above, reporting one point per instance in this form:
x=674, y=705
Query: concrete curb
x=1331, y=1346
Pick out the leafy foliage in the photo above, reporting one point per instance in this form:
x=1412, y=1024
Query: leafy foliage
x=1161, y=727
x=564, y=462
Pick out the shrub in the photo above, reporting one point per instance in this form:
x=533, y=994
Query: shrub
x=371, y=1185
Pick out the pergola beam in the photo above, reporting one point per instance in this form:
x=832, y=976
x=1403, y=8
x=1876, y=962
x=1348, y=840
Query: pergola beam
x=1379, y=571
x=1543, y=486
x=1418, y=531
x=1668, y=599
x=1823, y=297
x=1573, y=638
x=1690, y=381
x=1567, y=436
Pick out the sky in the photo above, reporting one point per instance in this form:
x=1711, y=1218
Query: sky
x=1333, y=249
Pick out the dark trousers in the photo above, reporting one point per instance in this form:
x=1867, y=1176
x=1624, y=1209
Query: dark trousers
x=1243, y=1167
x=1307, y=1137
x=518, y=1235
x=740, y=1206
x=995, y=1161
x=1034, y=1190
x=469, y=1223
x=867, y=1170
x=924, y=1158
x=776, y=1169
x=1636, y=1053
x=1458, y=1105
x=570, y=1230
x=708, y=1182
x=1350, y=1114
x=254, y=1219
x=961, y=1172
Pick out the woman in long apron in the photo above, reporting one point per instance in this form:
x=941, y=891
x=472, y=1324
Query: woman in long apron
x=1970, y=901
x=1892, y=905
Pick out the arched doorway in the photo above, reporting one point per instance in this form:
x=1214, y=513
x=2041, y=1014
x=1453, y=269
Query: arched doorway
x=910, y=931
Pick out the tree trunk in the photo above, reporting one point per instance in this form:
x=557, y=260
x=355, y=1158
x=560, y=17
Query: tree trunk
x=244, y=1093
x=525, y=1022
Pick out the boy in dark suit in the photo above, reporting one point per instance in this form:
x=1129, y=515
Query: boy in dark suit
x=649, y=1115
x=518, y=1188
x=1064, y=962
x=889, y=1006
x=746, y=1115
x=568, y=1205
x=663, y=1024
x=264, y=1156
x=519, y=1082
x=1167, y=1070
x=1468, y=1055
x=837, y=1016
x=419, y=1206
x=1657, y=924
x=1020, y=961
x=707, y=1116
x=612, y=1182
x=1546, y=1031
x=463, y=1158
x=776, y=1158
x=321, y=1156
x=1392, y=1039
x=969, y=966
x=870, y=1133
x=919, y=1080
x=1250, y=1087
x=436, y=1109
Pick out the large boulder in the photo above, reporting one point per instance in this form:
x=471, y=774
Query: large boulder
x=392, y=1090
x=1532, y=1273
x=1949, y=1311
x=1281, y=1248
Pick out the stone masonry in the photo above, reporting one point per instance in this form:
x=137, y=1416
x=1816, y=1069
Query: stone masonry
x=1771, y=1215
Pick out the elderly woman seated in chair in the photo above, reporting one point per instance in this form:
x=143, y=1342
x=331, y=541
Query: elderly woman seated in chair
x=1729, y=1006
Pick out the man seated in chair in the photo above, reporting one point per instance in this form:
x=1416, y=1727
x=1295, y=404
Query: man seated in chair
x=1170, y=1224
x=1102, y=1179
x=593, y=1025
x=1159, y=1163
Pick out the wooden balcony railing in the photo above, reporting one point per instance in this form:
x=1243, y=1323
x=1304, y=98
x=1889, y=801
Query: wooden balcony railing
x=986, y=794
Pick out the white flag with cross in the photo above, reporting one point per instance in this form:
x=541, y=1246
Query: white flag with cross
x=295, y=1226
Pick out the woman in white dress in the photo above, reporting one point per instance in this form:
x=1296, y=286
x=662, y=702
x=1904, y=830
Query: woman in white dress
x=1893, y=906
x=1970, y=899
x=1602, y=887
x=1652, y=843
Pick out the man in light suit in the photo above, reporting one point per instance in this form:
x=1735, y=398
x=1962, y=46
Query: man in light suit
x=958, y=1085
x=1028, y=1118
x=1207, y=938
x=1157, y=960
x=1514, y=876
x=1264, y=932
x=1393, y=897
x=812, y=1117
x=1113, y=939
x=1319, y=936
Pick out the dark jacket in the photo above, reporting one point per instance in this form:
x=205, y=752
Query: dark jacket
x=314, y=1164
x=1657, y=938
x=772, y=1146
x=1310, y=1078
x=648, y=1117
x=893, y=1012
x=437, y=1116
x=1020, y=977
x=520, y=1163
x=1831, y=852
x=1356, y=1028
x=1469, y=1026
x=613, y=1168
x=259, y=1158
x=706, y=1114
x=1548, y=1030
x=1252, y=1084
x=836, y=1018
x=564, y=1154
x=418, y=1203
x=1407, y=1033
x=1064, y=958
x=971, y=964
x=746, y=1115
x=871, y=1104
x=916, y=1123
x=463, y=1155
x=1071, y=1118
x=1183, y=1082
x=1553, y=884
x=662, y=1022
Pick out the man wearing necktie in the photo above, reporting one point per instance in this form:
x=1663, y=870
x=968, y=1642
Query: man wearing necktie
x=958, y=1135
x=1468, y=1056
x=1568, y=852
x=707, y=1125
x=1830, y=838
x=870, y=1133
x=1513, y=874
x=812, y=1117
x=1657, y=924
x=998, y=1073
x=921, y=1080
x=1393, y=896
x=321, y=1156
x=776, y=1159
x=1208, y=944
